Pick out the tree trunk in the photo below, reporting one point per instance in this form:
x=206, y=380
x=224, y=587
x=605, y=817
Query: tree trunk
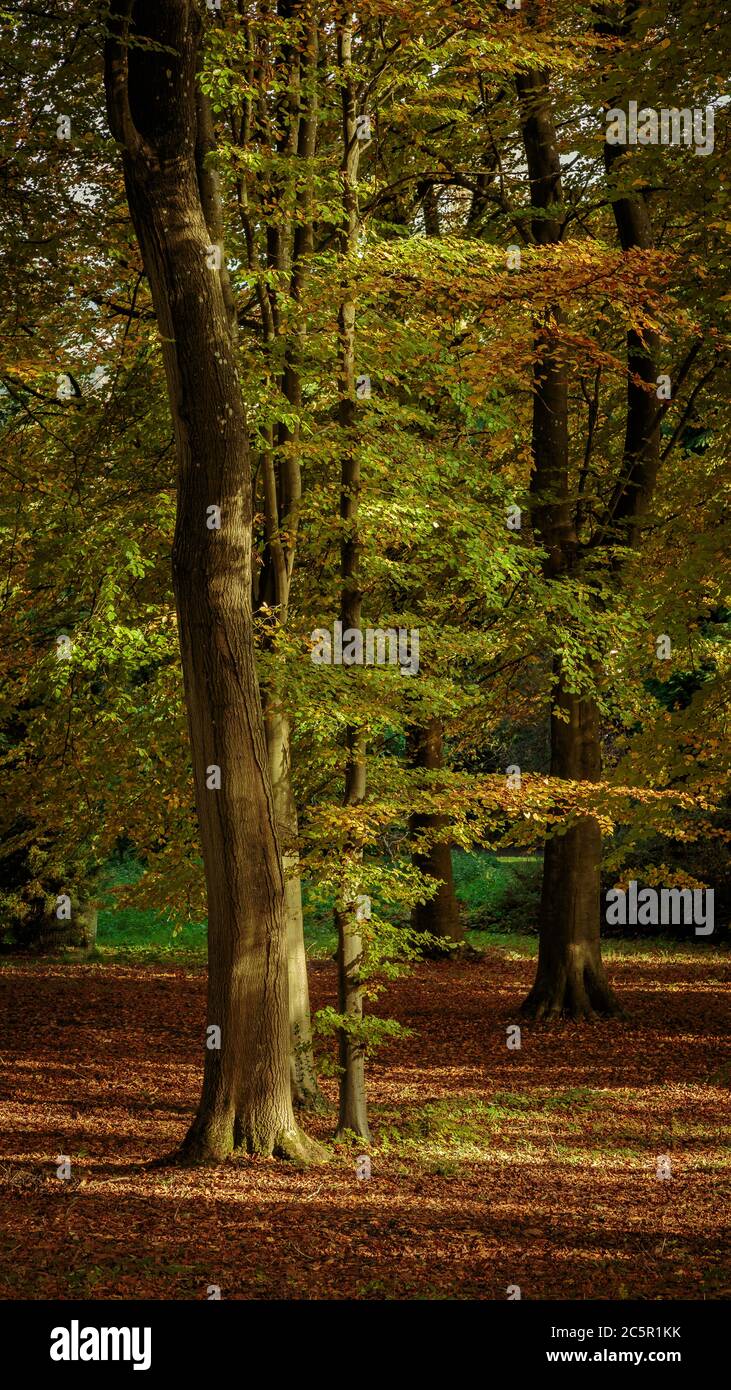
x=280, y=470
x=246, y=1102
x=305, y=1091
x=439, y=917
x=353, y=1107
x=571, y=977
x=641, y=460
x=353, y=1113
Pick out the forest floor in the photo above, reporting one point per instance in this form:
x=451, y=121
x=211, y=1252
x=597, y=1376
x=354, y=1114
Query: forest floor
x=535, y=1167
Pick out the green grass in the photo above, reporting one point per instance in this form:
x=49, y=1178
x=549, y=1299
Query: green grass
x=498, y=893
x=460, y=1127
x=499, y=898
x=143, y=933
x=135, y=931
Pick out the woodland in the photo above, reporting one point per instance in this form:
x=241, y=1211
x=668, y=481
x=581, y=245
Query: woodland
x=365, y=649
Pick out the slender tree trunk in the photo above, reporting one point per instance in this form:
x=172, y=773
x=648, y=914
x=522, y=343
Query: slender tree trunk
x=246, y=1101
x=570, y=976
x=439, y=917
x=353, y=1108
x=305, y=1090
x=282, y=488
x=641, y=461
x=353, y=1112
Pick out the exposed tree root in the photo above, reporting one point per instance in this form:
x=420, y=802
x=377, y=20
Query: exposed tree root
x=292, y=1145
x=576, y=996
x=298, y=1147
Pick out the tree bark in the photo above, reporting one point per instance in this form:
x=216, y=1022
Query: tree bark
x=282, y=491
x=439, y=916
x=303, y=1076
x=641, y=459
x=570, y=977
x=246, y=1102
x=353, y=1111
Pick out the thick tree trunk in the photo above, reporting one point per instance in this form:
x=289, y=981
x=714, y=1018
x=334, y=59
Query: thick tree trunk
x=246, y=1101
x=439, y=916
x=571, y=977
x=305, y=1091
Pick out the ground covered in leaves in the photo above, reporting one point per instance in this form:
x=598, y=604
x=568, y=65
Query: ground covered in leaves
x=491, y=1167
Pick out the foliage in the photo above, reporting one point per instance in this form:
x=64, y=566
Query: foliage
x=94, y=747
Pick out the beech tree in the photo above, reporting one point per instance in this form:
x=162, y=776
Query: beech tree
x=154, y=105
x=353, y=1114
x=571, y=977
x=570, y=973
x=499, y=390
x=438, y=917
x=280, y=133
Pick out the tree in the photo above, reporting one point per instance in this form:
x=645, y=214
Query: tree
x=485, y=374
x=570, y=974
x=438, y=917
x=153, y=101
x=274, y=201
x=592, y=522
x=353, y=1112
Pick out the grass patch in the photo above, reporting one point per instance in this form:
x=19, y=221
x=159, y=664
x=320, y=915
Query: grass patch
x=498, y=893
x=499, y=896
x=464, y=1127
x=125, y=932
